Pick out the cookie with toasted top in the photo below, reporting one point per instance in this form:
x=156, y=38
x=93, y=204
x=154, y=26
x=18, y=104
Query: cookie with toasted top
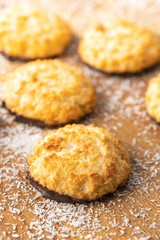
x=152, y=98
x=30, y=33
x=49, y=91
x=119, y=47
x=78, y=163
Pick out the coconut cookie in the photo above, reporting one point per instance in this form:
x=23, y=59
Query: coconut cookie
x=49, y=91
x=119, y=47
x=31, y=33
x=153, y=98
x=78, y=163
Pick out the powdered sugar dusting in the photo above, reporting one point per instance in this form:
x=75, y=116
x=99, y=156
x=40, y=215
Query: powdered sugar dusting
x=133, y=211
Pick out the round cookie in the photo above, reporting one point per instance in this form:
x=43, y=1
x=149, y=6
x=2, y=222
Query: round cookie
x=49, y=91
x=119, y=47
x=78, y=163
x=152, y=98
x=32, y=33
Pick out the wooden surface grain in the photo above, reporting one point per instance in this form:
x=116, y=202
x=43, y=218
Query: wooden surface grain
x=133, y=211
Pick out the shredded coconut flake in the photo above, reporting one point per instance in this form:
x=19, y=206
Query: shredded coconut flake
x=121, y=109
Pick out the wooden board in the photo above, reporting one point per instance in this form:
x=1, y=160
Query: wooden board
x=133, y=211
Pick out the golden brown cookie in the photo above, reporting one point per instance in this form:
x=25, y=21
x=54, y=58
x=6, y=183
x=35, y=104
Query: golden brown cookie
x=31, y=33
x=80, y=163
x=50, y=91
x=153, y=98
x=119, y=47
